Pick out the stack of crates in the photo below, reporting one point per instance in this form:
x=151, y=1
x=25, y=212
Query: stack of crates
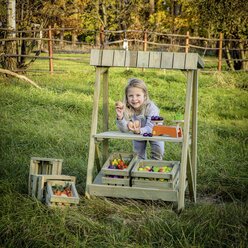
x=47, y=171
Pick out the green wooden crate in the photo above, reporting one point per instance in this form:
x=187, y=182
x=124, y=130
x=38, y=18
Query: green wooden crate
x=174, y=165
x=54, y=200
x=150, y=179
x=43, y=166
x=115, y=180
x=130, y=157
x=155, y=183
x=117, y=176
x=38, y=184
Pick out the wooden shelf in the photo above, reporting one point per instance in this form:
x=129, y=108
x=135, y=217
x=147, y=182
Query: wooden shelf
x=131, y=136
x=97, y=188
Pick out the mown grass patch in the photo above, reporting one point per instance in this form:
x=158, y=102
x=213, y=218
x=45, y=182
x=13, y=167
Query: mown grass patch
x=55, y=122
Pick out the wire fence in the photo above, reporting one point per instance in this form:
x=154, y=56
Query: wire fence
x=46, y=44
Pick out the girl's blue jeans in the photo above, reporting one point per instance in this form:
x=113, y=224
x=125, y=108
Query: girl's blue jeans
x=157, y=149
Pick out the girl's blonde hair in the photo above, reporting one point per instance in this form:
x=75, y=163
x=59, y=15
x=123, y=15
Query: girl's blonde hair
x=137, y=83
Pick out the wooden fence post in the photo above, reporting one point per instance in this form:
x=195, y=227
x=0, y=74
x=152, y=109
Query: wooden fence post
x=220, y=52
x=187, y=42
x=50, y=49
x=145, y=41
x=102, y=37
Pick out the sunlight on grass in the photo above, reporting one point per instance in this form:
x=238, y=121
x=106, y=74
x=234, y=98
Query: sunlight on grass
x=55, y=122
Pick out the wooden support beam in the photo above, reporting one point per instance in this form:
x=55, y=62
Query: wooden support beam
x=98, y=158
x=194, y=128
x=183, y=168
x=91, y=158
x=105, y=113
x=190, y=176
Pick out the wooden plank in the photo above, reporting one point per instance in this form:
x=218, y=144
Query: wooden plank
x=143, y=59
x=56, y=167
x=179, y=61
x=91, y=158
x=194, y=129
x=105, y=98
x=133, y=192
x=131, y=58
x=131, y=136
x=107, y=58
x=190, y=178
x=183, y=168
x=167, y=60
x=116, y=181
x=34, y=185
x=155, y=59
x=119, y=58
x=96, y=57
x=191, y=61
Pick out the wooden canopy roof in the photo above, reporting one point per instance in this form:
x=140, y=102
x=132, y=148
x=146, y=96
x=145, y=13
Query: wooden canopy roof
x=141, y=59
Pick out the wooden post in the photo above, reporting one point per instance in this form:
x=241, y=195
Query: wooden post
x=194, y=131
x=145, y=41
x=187, y=43
x=50, y=49
x=105, y=113
x=183, y=168
x=102, y=37
x=92, y=146
x=220, y=53
x=145, y=44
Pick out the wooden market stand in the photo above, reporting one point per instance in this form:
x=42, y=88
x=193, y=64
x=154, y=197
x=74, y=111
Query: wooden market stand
x=188, y=62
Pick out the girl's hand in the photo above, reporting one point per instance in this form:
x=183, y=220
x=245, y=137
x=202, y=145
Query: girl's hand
x=119, y=108
x=134, y=126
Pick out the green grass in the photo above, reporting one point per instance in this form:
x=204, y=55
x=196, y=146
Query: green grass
x=55, y=122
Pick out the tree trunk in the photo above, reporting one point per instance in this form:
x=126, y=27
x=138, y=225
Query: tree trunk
x=244, y=65
x=229, y=58
x=10, y=63
x=73, y=39
x=152, y=7
x=61, y=37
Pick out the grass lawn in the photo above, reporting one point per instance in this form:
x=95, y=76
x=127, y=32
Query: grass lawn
x=55, y=122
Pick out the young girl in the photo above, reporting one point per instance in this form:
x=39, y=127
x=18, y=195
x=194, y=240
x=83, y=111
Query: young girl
x=135, y=115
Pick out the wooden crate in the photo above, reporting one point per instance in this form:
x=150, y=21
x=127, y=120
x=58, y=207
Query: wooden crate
x=161, y=180
x=54, y=200
x=44, y=166
x=116, y=180
x=116, y=176
x=38, y=184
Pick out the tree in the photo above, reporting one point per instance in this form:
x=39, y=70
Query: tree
x=10, y=46
x=230, y=18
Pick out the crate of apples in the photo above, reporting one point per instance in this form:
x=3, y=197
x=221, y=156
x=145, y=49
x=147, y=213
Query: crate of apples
x=119, y=164
x=155, y=174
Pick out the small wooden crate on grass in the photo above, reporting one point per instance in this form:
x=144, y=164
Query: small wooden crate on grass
x=115, y=176
x=63, y=199
x=155, y=174
x=44, y=166
x=38, y=184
